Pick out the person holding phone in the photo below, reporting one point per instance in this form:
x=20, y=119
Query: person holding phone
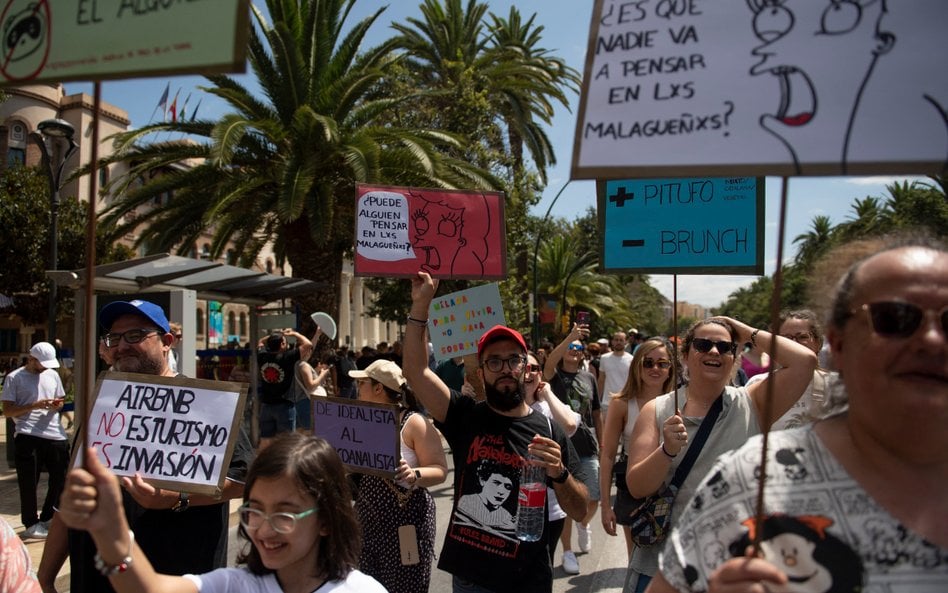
x=33, y=397
x=576, y=387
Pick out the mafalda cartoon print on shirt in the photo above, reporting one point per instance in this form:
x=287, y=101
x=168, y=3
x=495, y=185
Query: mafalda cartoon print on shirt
x=814, y=560
x=818, y=103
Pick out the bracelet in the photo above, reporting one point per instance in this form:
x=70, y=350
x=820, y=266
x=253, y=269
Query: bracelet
x=123, y=565
x=418, y=322
x=754, y=336
x=665, y=451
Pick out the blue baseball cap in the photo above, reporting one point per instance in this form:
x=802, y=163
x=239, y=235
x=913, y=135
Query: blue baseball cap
x=116, y=309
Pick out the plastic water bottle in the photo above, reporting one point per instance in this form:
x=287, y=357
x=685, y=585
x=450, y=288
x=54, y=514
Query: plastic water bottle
x=531, y=503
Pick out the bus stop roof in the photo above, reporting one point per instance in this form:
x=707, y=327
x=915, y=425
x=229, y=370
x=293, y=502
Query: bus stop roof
x=210, y=280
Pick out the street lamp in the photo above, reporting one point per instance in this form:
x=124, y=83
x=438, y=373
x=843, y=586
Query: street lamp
x=536, y=250
x=54, y=129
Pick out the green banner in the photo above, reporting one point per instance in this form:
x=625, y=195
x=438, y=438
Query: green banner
x=60, y=40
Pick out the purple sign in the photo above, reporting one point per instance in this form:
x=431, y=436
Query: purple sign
x=364, y=434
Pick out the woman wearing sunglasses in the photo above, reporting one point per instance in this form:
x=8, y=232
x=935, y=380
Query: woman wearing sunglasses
x=868, y=482
x=662, y=433
x=297, y=515
x=650, y=375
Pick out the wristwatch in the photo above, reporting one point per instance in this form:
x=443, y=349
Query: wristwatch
x=182, y=504
x=560, y=479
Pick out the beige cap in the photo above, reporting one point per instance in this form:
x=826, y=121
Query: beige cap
x=385, y=372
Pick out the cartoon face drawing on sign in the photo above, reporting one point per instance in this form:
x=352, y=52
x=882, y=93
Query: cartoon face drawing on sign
x=816, y=102
x=836, y=63
x=446, y=237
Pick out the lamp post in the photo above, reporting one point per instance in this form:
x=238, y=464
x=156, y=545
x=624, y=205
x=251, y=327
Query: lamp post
x=536, y=249
x=54, y=129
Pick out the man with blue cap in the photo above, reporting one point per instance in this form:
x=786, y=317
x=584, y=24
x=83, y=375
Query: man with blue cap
x=180, y=532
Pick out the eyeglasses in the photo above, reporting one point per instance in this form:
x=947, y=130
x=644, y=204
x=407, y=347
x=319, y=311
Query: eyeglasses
x=533, y=368
x=893, y=319
x=662, y=363
x=800, y=337
x=579, y=347
x=496, y=365
x=283, y=523
x=704, y=345
x=132, y=336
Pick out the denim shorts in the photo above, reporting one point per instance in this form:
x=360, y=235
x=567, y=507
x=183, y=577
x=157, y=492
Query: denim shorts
x=277, y=418
x=590, y=475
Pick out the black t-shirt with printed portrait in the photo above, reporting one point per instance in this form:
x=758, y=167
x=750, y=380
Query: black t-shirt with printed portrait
x=480, y=544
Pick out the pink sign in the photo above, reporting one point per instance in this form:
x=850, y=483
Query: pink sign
x=447, y=233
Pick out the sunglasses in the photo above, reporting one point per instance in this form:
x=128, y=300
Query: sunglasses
x=533, y=368
x=704, y=346
x=662, y=363
x=894, y=319
x=579, y=347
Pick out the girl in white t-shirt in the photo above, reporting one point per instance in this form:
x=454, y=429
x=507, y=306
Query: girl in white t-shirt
x=297, y=514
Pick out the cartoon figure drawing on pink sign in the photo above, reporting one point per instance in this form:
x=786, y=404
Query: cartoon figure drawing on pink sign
x=854, y=104
x=446, y=238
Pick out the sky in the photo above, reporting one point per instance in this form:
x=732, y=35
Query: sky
x=566, y=31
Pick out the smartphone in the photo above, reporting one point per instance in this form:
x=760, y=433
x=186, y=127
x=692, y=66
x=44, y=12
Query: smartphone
x=582, y=318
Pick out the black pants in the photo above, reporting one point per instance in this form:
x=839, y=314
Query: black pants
x=31, y=454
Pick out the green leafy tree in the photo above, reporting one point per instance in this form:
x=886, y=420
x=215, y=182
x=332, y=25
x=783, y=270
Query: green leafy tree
x=25, y=214
x=281, y=168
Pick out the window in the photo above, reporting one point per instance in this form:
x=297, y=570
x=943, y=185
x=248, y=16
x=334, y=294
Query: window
x=231, y=323
x=16, y=143
x=269, y=266
x=206, y=251
x=199, y=315
x=243, y=324
x=16, y=157
x=231, y=257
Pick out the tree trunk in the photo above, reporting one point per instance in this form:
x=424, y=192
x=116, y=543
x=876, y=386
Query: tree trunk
x=321, y=264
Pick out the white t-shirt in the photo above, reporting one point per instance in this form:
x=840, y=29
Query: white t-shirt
x=821, y=527
x=616, y=367
x=22, y=388
x=225, y=580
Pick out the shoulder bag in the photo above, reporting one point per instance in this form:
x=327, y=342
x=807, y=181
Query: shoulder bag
x=649, y=521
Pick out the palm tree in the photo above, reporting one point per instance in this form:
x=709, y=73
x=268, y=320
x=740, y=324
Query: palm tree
x=814, y=242
x=564, y=271
x=509, y=81
x=281, y=168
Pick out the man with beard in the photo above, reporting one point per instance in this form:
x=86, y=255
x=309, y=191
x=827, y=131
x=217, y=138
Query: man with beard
x=180, y=533
x=501, y=429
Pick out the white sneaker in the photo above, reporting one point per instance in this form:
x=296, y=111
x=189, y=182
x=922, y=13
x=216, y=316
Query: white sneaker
x=570, y=563
x=584, y=535
x=36, y=531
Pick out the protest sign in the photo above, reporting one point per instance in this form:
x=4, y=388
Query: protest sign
x=750, y=87
x=447, y=233
x=682, y=226
x=176, y=433
x=365, y=434
x=457, y=320
x=101, y=39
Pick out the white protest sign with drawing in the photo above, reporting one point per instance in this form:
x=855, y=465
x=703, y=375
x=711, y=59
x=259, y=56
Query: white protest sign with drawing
x=457, y=321
x=753, y=87
x=176, y=433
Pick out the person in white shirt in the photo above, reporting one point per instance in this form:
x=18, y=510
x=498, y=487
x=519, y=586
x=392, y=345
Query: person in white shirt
x=33, y=397
x=613, y=370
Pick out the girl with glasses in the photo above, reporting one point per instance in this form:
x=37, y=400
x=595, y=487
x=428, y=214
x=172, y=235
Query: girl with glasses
x=297, y=515
x=650, y=375
x=663, y=430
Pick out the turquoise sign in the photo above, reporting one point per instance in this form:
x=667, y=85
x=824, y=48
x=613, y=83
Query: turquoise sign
x=698, y=225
